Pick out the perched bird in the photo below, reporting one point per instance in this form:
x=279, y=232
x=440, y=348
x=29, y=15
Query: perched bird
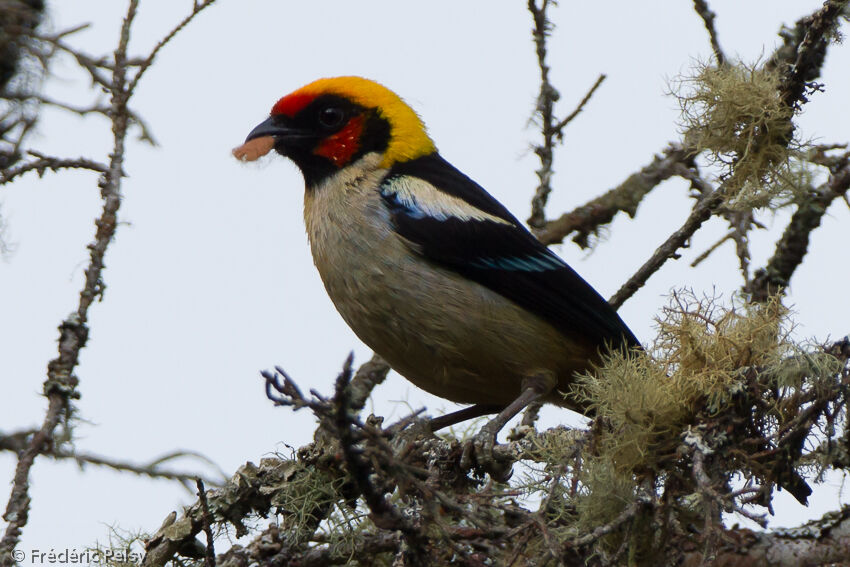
x=425, y=266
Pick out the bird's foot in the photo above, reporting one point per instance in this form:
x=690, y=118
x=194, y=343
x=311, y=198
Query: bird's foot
x=478, y=452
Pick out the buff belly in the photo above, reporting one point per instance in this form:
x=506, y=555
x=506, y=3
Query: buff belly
x=448, y=335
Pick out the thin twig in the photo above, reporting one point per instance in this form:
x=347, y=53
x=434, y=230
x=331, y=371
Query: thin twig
x=151, y=469
x=94, y=67
x=545, y=110
x=209, y=552
x=53, y=164
x=703, y=210
x=710, y=494
x=701, y=258
x=383, y=515
x=72, y=30
x=701, y=7
x=559, y=127
x=146, y=63
x=605, y=529
x=18, y=441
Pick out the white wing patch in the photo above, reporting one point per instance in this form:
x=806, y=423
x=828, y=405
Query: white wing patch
x=424, y=200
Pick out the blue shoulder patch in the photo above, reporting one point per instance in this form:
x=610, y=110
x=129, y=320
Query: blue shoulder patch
x=398, y=205
x=530, y=263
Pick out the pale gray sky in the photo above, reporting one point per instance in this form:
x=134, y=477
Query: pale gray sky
x=211, y=280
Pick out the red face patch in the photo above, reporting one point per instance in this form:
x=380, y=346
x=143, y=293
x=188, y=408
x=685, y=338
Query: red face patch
x=341, y=146
x=292, y=104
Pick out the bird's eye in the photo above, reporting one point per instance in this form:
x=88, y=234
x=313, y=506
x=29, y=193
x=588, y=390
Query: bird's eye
x=331, y=116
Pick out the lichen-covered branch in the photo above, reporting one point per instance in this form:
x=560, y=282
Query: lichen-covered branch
x=249, y=491
x=383, y=514
x=811, y=51
x=745, y=167
x=360, y=491
x=823, y=541
x=370, y=375
x=792, y=247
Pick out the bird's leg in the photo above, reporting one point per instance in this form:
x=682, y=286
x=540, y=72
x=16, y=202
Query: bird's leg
x=459, y=416
x=480, y=447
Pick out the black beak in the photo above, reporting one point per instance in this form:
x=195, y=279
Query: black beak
x=274, y=126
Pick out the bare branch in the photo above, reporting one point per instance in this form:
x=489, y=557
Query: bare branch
x=53, y=164
x=545, y=109
x=701, y=258
x=559, y=127
x=96, y=68
x=18, y=441
x=151, y=469
x=551, y=129
x=701, y=7
x=60, y=386
x=42, y=99
x=586, y=219
x=669, y=249
x=103, y=110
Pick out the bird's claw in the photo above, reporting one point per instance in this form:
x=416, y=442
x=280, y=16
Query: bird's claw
x=478, y=452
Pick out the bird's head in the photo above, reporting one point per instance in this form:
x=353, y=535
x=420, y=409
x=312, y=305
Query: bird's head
x=331, y=123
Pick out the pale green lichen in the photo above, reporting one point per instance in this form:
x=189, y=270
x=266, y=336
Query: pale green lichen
x=648, y=398
x=734, y=115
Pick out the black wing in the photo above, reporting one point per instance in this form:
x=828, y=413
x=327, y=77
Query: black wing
x=453, y=221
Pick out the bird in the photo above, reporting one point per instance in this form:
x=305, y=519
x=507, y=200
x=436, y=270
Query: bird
x=427, y=268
